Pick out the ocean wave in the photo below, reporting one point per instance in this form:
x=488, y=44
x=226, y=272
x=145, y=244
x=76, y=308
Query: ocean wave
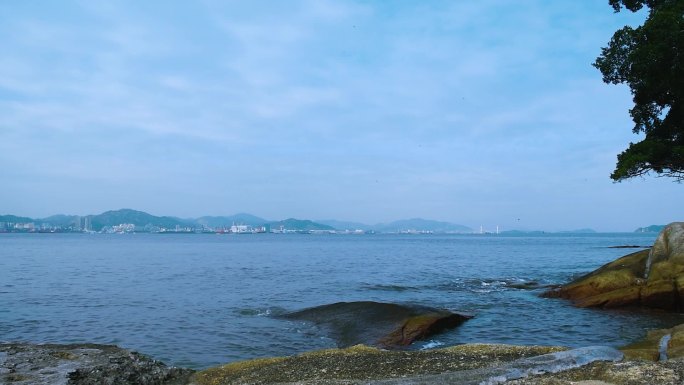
x=388, y=287
x=518, y=369
x=261, y=312
x=488, y=285
x=431, y=345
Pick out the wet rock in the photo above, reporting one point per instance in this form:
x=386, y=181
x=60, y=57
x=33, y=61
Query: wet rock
x=651, y=278
x=650, y=347
x=83, y=364
x=420, y=327
x=364, y=365
x=460, y=365
x=529, y=285
x=607, y=373
x=379, y=324
x=622, y=276
x=465, y=365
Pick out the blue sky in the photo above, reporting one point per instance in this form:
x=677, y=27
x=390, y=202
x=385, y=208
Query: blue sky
x=479, y=113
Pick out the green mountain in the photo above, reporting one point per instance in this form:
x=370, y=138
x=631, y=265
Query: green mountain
x=145, y=222
x=650, y=229
x=61, y=220
x=15, y=219
x=138, y=218
x=299, y=225
x=344, y=225
x=227, y=221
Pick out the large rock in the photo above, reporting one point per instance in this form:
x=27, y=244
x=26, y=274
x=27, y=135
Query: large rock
x=651, y=278
x=386, y=325
x=669, y=246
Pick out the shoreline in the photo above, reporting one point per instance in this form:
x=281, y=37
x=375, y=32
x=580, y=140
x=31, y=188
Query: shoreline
x=90, y=364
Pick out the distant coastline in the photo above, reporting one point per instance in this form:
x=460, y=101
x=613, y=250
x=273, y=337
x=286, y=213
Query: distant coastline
x=130, y=221
x=134, y=221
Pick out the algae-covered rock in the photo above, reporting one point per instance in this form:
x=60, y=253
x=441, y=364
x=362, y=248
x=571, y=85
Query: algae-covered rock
x=654, y=345
x=651, y=278
x=632, y=372
x=362, y=364
x=380, y=324
x=86, y=364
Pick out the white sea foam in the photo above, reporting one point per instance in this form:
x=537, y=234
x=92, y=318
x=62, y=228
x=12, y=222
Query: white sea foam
x=431, y=345
x=521, y=368
x=662, y=347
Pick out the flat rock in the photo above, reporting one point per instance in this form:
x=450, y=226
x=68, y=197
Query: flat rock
x=83, y=364
x=362, y=364
x=460, y=365
x=630, y=372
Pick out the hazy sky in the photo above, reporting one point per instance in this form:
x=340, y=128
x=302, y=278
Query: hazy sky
x=473, y=112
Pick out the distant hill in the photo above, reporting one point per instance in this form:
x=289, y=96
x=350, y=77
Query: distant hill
x=344, y=225
x=15, y=219
x=299, y=225
x=227, y=221
x=650, y=229
x=60, y=220
x=420, y=224
x=138, y=218
x=146, y=222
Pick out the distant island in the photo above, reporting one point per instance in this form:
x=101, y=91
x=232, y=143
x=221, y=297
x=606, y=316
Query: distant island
x=650, y=229
x=129, y=221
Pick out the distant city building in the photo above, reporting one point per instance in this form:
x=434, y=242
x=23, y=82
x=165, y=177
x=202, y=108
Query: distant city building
x=123, y=228
x=25, y=226
x=87, y=224
x=241, y=229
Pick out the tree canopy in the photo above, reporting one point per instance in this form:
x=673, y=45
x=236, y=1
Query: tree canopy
x=650, y=59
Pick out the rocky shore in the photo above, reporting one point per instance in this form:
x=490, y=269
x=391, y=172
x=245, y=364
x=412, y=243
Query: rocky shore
x=26, y=364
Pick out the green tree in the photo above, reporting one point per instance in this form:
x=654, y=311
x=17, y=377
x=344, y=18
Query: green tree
x=650, y=59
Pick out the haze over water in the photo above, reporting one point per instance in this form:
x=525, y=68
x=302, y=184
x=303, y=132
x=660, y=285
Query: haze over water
x=202, y=300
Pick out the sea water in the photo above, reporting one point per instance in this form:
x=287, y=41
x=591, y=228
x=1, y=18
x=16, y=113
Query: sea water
x=203, y=299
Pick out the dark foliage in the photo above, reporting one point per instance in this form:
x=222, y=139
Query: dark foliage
x=650, y=59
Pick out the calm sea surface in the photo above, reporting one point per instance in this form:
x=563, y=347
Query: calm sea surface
x=203, y=300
